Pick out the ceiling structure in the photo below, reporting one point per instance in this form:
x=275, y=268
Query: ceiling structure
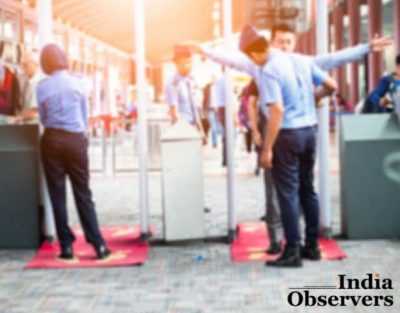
x=168, y=22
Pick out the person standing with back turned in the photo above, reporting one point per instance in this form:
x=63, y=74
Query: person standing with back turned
x=64, y=147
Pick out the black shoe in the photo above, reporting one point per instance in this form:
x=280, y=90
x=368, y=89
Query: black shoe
x=67, y=253
x=207, y=210
x=290, y=258
x=311, y=252
x=274, y=248
x=263, y=218
x=102, y=252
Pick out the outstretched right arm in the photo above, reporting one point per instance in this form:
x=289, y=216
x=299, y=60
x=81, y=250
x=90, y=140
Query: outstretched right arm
x=234, y=60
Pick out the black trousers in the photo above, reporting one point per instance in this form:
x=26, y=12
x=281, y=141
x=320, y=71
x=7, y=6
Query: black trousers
x=65, y=155
x=293, y=172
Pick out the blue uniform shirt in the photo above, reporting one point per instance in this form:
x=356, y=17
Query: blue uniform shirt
x=394, y=93
x=220, y=94
x=181, y=92
x=326, y=62
x=290, y=80
x=63, y=103
x=388, y=85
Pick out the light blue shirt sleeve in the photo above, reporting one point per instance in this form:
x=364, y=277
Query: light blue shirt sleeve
x=85, y=115
x=318, y=75
x=333, y=60
x=273, y=91
x=219, y=94
x=42, y=112
x=171, y=96
x=41, y=107
x=237, y=61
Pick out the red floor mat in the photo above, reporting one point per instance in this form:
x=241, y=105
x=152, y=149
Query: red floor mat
x=124, y=242
x=252, y=241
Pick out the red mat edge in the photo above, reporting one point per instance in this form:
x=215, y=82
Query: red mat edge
x=255, y=239
x=135, y=240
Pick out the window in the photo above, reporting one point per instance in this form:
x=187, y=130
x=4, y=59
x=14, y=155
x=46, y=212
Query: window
x=9, y=26
x=31, y=38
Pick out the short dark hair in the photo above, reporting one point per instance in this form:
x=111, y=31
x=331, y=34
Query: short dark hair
x=53, y=59
x=398, y=59
x=260, y=45
x=282, y=27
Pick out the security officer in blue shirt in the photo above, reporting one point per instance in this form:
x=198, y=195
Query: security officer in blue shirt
x=64, y=148
x=182, y=93
x=290, y=148
x=286, y=84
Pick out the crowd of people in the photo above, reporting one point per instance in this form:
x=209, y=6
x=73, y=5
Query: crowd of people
x=277, y=110
x=281, y=105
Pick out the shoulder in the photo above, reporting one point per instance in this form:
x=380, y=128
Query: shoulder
x=172, y=82
x=387, y=79
x=276, y=65
x=302, y=59
x=43, y=84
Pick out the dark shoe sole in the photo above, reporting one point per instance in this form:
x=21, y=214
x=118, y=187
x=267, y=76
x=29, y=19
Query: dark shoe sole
x=66, y=258
x=104, y=255
x=284, y=265
x=311, y=256
x=274, y=251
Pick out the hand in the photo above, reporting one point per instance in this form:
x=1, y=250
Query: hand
x=266, y=158
x=319, y=103
x=194, y=47
x=257, y=138
x=379, y=44
x=174, y=119
x=384, y=102
x=205, y=141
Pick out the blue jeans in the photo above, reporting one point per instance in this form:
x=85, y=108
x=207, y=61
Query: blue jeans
x=293, y=172
x=215, y=127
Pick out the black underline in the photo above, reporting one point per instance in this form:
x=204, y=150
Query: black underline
x=314, y=288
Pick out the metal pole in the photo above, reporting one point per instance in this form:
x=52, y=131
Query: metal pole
x=230, y=136
x=139, y=34
x=45, y=29
x=375, y=27
x=396, y=20
x=323, y=149
x=353, y=9
x=45, y=20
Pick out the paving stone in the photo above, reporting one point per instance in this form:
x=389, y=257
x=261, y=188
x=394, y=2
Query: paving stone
x=172, y=281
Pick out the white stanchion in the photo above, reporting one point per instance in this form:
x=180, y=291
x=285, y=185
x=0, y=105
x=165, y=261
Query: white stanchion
x=229, y=123
x=139, y=39
x=323, y=140
x=45, y=31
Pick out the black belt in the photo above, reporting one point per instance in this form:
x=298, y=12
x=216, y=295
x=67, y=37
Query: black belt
x=57, y=131
x=292, y=130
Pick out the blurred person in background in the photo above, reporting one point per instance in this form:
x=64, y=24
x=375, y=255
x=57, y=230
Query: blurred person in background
x=386, y=96
x=182, y=93
x=32, y=77
x=221, y=101
x=209, y=114
x=10, y=91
